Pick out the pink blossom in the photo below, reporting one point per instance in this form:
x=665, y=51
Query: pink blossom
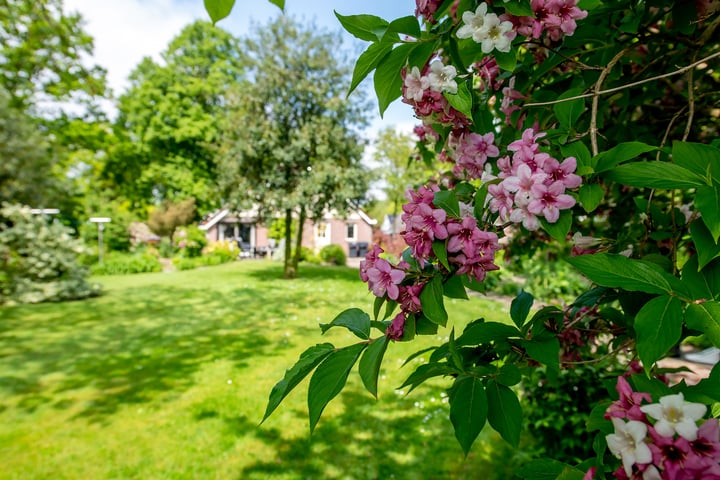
x=396, y=328
x=523, y=183
x=369, y=262
x=429, y=220
x=427, y=9
x=409, y=298
x=549, y=200
x=563, y=172
x=475, y=267
x=673, y=456
x=527, y=147
x=463, y=236
x=383, y=278
x=501, y=201
x=561, y=17
x=524, y=216
x=472, y=153
x=488, y=71
x=628, y=405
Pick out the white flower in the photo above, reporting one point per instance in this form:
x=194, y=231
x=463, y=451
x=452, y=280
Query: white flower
x=486, y=29
x=581, y=241
x=473, y=21
x=628, y=443
x=442, y=77
x=415, y=85
x=493, y=34
x=674, y=414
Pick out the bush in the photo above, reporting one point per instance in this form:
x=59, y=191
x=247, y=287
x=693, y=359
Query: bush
x=166, y=248
x=39, y=261
x=190, y=241
x=333, y=254
x=117, y=263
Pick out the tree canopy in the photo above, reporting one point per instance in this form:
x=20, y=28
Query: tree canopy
x=293, y=144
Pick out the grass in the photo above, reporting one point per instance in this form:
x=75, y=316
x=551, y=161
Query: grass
x=166, y=376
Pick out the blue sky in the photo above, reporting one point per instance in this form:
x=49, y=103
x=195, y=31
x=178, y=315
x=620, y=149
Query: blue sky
x=125, y=31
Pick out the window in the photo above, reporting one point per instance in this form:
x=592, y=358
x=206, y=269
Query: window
x=351, y=231
x=323, y=230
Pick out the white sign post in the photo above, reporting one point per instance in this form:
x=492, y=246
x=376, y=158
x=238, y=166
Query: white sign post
x=100, y=221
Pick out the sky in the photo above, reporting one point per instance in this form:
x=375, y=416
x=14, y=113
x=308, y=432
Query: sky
x=125, y=31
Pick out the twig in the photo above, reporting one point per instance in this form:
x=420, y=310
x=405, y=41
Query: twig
x=596, y=100
x=691, y=105
x=629, y=85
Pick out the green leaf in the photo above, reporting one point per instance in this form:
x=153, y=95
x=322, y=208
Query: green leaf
x=707, y=201
x=365, y=27
x=431, y=299
x=506, y=60
x=377, y=306
x=617, y=271
x=569, y=112
x=370, y=362
x=596, y=419
x=468, y=410
x=329, y=379
x=367, y=62
x=504, y=412
x=454, y=288
x=520, y=308
x=308, y=360
x=407, y=25
x=421, y=53
x=591, y=194
x=705, y=317
x=462, y=100
x=447, y=200
x=544, y=469
x=279, y=3
x=423, y=326
x=701, y=159
x=545, y=351
x=508, y=375
x=700, y=283
x=707, y=248
x=519, y=8
x=655, y=175
x=577, y=150
x=425, y=372
x=658, y=326
x=387, y=79
x=354, y=319
x=559, y=229
x=618, y=154
x=219, y=9
x=440, y=250
x=479, y=333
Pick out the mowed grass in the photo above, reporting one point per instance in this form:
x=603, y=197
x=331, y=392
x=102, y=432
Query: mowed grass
x=167, y=376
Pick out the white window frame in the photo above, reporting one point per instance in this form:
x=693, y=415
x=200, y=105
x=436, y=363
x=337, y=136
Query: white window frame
x=355, y=230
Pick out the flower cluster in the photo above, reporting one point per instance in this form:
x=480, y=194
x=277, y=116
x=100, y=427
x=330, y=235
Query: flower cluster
x=469, y=247
x=662, y=440
x=555, y=18
x=423, y=90
x=487, y=29
x=471, y=152
x=427, y=9
x=533, y=184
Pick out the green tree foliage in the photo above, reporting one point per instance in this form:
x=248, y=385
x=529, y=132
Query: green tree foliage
x=292, y=145
x=42, y=48
x=39, y=260
x=26, y=161
x=399, y=168
x=168, y=119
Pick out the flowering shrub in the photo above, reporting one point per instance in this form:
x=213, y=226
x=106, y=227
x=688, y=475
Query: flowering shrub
x=593, y=120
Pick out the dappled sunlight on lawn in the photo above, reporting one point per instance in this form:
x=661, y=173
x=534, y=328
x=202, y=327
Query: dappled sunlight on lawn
x=167, y=375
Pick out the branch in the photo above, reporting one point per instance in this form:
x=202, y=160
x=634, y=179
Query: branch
x=596, y=100
x=629, y=85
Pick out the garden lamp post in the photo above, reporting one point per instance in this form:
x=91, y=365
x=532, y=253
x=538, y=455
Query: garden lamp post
x=100, y=222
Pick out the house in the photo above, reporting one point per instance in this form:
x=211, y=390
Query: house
x=353, y=233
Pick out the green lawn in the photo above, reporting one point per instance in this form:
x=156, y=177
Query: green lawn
x=167, y=375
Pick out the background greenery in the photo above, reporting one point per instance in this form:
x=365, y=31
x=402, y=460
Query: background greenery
x=167, y=375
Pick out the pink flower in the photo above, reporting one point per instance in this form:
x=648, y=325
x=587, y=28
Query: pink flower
x=549, y=200
x=563, y=172
x=383, y=278
x=409, y=298
x=501, y=201
x=427, y=9
x=472, y=152
x=628, y=405
x=526, y=148
x=369, y=262
x=429, y=220
x=396, y=329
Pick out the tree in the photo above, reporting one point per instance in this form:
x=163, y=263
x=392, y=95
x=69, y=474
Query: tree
x=292, y=146
x=164, y=220
x=168, y=119
x=399, y=166
x=42, y=50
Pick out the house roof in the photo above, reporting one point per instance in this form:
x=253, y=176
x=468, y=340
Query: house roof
x=213, y=219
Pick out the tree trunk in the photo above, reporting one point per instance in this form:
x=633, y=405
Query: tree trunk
x=288, y=270
x=298, y=239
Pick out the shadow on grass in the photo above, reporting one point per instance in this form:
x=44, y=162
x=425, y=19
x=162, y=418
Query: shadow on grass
x=130, y=348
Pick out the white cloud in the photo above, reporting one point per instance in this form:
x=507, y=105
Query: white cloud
x=126, y=31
